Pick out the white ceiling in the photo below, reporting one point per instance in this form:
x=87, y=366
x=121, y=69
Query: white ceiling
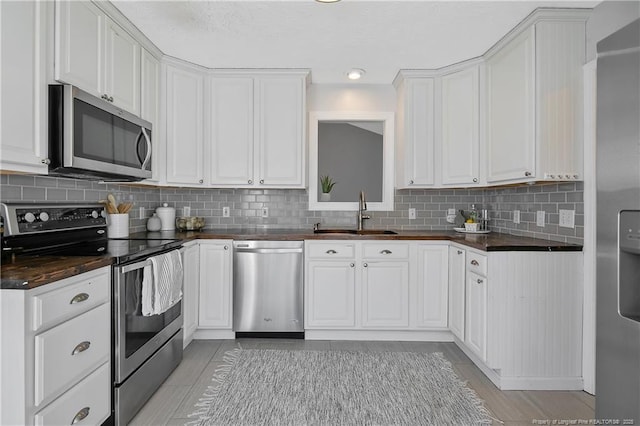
x=379, y=36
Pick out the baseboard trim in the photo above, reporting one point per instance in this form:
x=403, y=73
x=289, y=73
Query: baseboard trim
x=203, y=334
x=382, y=335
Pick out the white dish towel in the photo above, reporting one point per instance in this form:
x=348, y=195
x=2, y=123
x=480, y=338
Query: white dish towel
x=162, y=283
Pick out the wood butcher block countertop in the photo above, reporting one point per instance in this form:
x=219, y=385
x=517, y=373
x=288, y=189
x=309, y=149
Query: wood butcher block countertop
x=39, y=270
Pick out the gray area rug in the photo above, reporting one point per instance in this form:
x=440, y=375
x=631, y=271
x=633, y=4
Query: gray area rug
x=277, y=387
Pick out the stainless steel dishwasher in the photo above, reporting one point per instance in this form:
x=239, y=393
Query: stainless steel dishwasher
x=268, y=286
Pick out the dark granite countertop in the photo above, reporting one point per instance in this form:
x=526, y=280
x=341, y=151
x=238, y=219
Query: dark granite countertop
x=39, y=270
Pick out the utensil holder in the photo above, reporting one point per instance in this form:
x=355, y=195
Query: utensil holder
x=118, y=225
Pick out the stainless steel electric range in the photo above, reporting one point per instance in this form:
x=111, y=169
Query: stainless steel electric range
x=145, y=349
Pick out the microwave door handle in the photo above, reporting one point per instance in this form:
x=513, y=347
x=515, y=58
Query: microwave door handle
x=148, y=141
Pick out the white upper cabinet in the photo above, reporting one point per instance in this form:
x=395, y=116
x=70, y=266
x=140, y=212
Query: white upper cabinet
x=460, y=127
x=510, y=110
x=534, y=100
x=95, y=54
x=257, y=129
x=23, y=137
x=185, y=125
x=415, y=137
x=150, y=108
x=232, y=131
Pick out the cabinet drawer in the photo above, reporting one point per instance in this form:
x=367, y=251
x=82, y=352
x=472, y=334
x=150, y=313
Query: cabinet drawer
x=477, y=263
x=385, y=251
x=331, y=251
x=88, y=403
x=87, y=291
x=66, y=353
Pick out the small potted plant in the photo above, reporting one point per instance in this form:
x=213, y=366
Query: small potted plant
x=327, y=185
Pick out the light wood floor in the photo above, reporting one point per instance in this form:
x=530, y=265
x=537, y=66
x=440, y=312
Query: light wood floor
x=175, y=400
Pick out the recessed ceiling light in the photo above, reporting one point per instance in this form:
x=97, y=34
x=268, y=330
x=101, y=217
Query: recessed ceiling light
x=355, y=73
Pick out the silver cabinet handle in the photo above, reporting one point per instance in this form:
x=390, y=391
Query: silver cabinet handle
x=226, y=247
x=267, y=319
x=111, y=99
x=459, y=251
x=81, y=347
x=82, y=414
x=45, y=161
x=480, y=281
x=365, y=264
x=78, y=298
x=105, y=97
x=331, y=251
x=250, y=181
x=474, y=262
x=261, y=181
x=527, y=174
x=352, y=264
x=385, y=251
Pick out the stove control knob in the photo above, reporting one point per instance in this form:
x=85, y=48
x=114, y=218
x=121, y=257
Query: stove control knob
x=44, y=216
x=94, y=214
x=103, y=213
x=30, y=217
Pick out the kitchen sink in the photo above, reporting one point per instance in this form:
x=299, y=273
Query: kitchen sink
x=355, y=231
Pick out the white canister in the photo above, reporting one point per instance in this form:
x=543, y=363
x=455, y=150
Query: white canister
x=118, y=225
x=167, y=216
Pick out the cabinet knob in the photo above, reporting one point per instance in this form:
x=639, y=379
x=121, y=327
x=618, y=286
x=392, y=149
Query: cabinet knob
x=261, y=181
x=385, y=251
x=78, y=298
x=111, y=99
x=352, y=264
x=480, y=280
x=331, y=251
x=226, y=247
x=365, y=264
x=201, y=181
x=411, y=182
x=527, y=174
x=105, y=97
x=45, y=161
x=459, y=251
x=250, y=181
x=81, y=347
x=81, y=415
x=475, y=180
x=474, y=262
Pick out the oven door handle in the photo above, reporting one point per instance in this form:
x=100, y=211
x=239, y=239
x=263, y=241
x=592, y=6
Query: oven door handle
x=134, y=266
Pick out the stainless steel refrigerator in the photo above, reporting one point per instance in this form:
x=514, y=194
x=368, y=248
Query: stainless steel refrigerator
x=618, y=227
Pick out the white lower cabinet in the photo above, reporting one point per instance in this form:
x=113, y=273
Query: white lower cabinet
x=216, y=274
x=371, y=285
x=191, y=261
x=330, y=293
x=476, y=315
x=56, y=351
x=457, y=298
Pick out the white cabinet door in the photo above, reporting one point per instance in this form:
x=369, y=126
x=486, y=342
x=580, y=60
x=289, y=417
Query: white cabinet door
x=122, y=82
x=419, y=126
x=150, y=110
x=23, y=137
x=232, y=131
x=190, y=289
x=215, y=285
x=79, y=47
x=385, y=294
x=460, y=128
x=511, y=111
x=280, y=130
x=457, y=262
x=432, y=285
x=330, y=294
x=476, y=315
x=185, y=115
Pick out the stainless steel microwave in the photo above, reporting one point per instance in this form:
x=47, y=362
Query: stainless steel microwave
x=91, y=138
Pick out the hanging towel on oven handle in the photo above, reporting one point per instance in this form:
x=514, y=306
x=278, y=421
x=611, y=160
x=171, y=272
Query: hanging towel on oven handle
x=162, y=283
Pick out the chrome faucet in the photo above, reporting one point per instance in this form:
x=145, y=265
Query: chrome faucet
x=362, y=207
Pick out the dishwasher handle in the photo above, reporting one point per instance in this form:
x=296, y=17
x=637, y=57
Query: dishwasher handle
x=267, y=250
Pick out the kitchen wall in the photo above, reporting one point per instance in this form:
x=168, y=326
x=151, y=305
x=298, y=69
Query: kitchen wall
x=288, y=208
